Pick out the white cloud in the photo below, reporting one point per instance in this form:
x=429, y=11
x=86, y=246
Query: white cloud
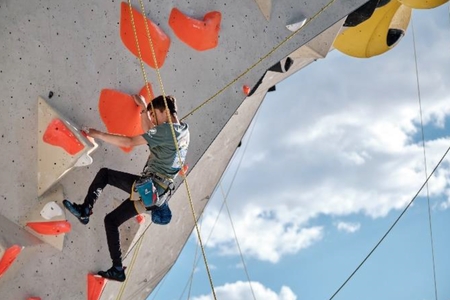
x=344, y=144
x=242, y=291
x=348, y=227
x=266, y=234
x=256, y=158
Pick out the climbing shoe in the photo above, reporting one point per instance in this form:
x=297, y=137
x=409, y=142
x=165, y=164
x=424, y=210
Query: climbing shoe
x=82, y=213
x=113, y=274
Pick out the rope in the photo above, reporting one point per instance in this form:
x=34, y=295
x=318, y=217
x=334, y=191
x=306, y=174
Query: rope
x=199, y=107
x=141, y=62
x=392, y=226
x=424, y=160
x=226, y=197
x=191, y=277
x=169, y=117
x=288, y=38
x=133, y=260
x=237, y=243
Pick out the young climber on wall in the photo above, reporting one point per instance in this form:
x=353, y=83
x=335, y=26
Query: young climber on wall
x=162, y=166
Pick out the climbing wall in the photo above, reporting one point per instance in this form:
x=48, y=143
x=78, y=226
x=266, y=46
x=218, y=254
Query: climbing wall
x=70, y=53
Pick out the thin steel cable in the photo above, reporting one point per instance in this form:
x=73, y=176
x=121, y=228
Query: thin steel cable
x=133, y=260
x=229, y=189
x=288, y=38
x=173, y=135
x=392, y=226
x=424, y=160
x=169, y=117
x=237, y=242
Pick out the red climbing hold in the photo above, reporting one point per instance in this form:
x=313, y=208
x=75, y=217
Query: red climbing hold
x=246, y=89
x=140, y=219
x=95, y=286
x=58, y=134
x=120, y=114
x=200, y=35
x=184, y=170
x=8, y=258
x=160, y=40
x=51, y=227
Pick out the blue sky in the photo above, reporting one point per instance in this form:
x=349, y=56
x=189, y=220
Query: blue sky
x=333, y=157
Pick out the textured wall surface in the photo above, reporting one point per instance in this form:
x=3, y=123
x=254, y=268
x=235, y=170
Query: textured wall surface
x=73, y=49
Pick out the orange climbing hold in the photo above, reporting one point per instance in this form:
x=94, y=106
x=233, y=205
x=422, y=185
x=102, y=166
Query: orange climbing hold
x=95, y=286
x=184, y=170
x=120, y=114
x=8, y=258
x=200, y=35
x=50, y=228
x=144, y=92
x=34, y=298
x=140, y=219
x=246, y=89
x=160, y=40
x=58, y=134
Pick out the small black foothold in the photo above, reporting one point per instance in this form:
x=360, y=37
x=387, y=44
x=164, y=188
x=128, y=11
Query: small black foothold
x=50, y=95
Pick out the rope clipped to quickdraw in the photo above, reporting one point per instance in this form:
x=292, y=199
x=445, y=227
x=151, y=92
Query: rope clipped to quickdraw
x=171, y=127
x=288, y=38
x=141, y=61
x=194, y=110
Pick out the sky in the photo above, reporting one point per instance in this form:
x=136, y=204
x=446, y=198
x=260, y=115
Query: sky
x=331, y=159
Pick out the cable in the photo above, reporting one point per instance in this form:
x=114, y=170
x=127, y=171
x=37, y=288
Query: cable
x=289, y=37
x=253, y=124
x=203, y=104
x=424, y=160
x=133, y=260
x=173, y=136
x=392, y=226
x=237, y=243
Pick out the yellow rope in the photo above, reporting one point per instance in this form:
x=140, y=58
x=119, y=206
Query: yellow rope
x=171, y=127
x=259, y=61
x=192, y=112
x=141, y=62
x=133, y=260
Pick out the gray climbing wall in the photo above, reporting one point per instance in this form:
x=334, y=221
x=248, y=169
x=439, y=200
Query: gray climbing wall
x=73, y=50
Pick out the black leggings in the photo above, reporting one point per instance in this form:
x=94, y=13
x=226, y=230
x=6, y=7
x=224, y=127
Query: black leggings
x=124, y=212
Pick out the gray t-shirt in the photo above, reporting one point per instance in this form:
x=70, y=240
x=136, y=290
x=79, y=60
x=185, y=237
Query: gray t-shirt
x=163, y=157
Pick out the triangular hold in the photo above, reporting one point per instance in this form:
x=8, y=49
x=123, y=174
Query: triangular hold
x=297, y=25
x=120, y=114
x=95, y=285
x=61, y=146
x=200, y=35
x=8, y=258
x=160, y=41
x=266, y=8
x=58, y=134
x=48, y=208
x=51, y=210
x=50, y=227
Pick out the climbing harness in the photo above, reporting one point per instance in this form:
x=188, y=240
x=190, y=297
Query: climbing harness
x=190, y=113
